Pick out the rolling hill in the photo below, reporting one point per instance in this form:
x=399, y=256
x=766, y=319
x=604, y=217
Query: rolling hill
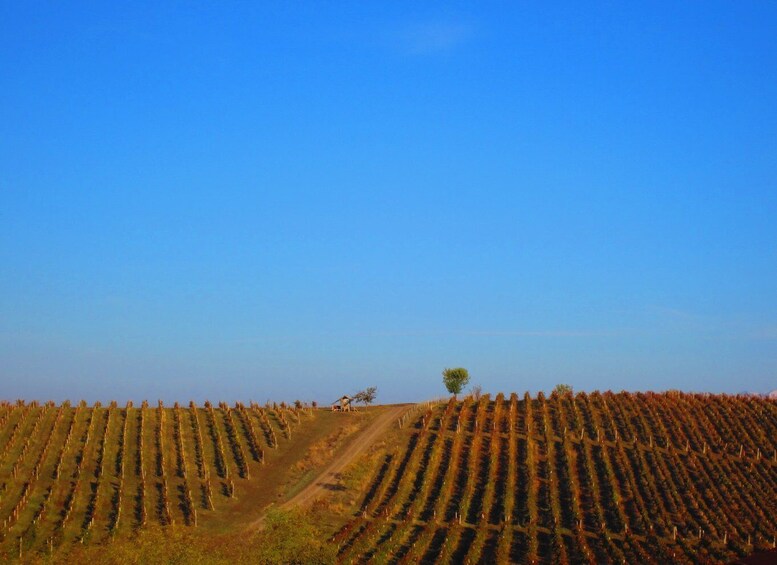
x=585, y=478
x=602, y=478
x=95, y=474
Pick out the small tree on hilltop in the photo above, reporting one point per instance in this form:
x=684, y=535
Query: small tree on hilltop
x=562, y=389
x=366, y=396
x=455, y=379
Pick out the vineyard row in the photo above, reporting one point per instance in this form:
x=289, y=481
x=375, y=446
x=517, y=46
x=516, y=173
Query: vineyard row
x=649, y=478
x=80, y=473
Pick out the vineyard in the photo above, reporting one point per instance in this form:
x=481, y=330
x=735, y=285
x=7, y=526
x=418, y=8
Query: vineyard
x=590, y=478
x=87, y=474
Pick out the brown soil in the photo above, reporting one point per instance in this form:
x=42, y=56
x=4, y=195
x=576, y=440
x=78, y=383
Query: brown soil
x=328, y=478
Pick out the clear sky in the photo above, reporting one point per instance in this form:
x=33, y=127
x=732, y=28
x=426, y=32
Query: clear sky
x=288, y=200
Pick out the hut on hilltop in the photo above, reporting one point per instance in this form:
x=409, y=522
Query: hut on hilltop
x=343, y=404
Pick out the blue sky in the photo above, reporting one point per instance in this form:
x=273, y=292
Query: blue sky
x=274, y=200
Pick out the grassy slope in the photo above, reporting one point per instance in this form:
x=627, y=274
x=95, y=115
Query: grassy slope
x=101, y=468
x=281, y=476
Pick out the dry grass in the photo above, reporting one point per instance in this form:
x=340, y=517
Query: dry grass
x=322, y=451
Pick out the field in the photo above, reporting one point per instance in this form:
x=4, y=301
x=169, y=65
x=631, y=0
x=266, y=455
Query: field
x=93, y=474
x=604, y=478
x=600, y=478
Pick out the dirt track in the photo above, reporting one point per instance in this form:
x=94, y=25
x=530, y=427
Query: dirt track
x=328, y=477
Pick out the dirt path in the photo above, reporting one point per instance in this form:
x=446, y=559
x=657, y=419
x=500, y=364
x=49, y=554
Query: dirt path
x=322, y=483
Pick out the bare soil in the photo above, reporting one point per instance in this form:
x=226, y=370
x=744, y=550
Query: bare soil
x=328, y=478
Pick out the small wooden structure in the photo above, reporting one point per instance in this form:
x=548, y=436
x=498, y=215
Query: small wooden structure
x=342, y=405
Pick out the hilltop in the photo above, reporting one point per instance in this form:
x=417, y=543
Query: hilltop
x=600, y=477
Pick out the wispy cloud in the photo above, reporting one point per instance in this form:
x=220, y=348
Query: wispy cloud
x=716, y=327
x=669, y=317
x=546, y=333
x=767, y=333
x=675, y=313
x=432, y=37
x=438, y=333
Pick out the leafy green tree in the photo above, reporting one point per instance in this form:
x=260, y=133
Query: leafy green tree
x=562, y=389
x=455, y=379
